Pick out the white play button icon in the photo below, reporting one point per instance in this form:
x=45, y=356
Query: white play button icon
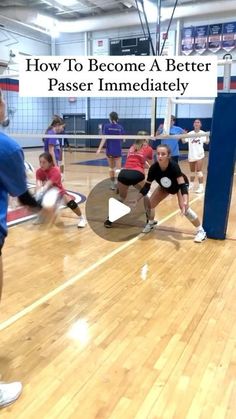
x=117, y=210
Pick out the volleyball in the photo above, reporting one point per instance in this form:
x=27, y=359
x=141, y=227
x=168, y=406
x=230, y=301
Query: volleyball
x=50, y=198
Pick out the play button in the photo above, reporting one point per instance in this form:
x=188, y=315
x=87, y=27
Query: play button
x=117, y=210
x=103, y=203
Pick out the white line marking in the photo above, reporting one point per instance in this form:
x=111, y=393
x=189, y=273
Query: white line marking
x=77, y=277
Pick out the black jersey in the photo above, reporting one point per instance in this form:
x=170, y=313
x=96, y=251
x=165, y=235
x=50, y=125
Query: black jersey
x=167, y=178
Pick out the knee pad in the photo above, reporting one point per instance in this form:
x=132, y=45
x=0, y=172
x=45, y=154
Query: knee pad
x=199, y=174
x=5, y=123
x=190, y=215
x=72, y=204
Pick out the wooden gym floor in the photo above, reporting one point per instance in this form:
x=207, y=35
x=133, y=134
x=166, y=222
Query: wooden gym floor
x=100, y=329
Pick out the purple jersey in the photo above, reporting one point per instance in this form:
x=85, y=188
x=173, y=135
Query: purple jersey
x=55, y=142
x=113, y=147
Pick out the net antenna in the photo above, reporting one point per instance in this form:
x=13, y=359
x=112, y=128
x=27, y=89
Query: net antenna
x=169, y=103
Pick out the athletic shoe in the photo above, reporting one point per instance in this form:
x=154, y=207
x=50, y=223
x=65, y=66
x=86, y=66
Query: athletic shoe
x=39, y=220
x=155, y=222
x=82, y=223
x=108, y=224
x=9, y=393
x=148, y=227
x=200, y=236
x=199, y=189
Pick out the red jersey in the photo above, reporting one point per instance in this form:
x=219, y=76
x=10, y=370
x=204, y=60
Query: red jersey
x=136, y=159
x=54, y=175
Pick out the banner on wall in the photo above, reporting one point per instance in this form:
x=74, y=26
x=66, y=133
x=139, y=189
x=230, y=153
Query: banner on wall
x=229, y=36
x=201, y=38
x=100, y=47
x=169, y=46
x=215, y=37
x=187, y=42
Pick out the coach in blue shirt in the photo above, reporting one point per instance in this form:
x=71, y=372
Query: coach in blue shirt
x=172, y=143
x=13, y=182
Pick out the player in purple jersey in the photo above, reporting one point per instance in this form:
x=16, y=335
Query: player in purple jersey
x=113, y=147
x=52, y=145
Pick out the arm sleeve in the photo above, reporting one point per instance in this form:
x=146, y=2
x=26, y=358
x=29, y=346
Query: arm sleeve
x=27, y=199
x=12, y=173
x=150, y=177
x=145, y=189
x=151, y=174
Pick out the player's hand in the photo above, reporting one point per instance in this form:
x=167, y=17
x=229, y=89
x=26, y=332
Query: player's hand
x=184, y=208
x=98, y=151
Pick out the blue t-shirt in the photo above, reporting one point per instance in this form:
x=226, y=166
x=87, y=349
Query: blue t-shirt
x=12, y=177
x=173, y=144
x=55, y=142
x=113, y=147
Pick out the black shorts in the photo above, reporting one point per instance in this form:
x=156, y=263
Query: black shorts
x=186, y=180
x=130, y=177
x=1, y=246
x=113, y=157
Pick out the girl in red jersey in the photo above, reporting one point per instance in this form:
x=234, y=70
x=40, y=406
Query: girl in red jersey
x=140, y=154
x=48, y=176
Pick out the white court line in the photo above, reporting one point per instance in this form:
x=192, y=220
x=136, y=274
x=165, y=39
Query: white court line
x=77, y=277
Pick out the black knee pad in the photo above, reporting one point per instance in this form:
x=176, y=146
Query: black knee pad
x=72, y=204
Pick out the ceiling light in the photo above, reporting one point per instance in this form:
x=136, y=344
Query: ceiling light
x=67, y=3
x=127, y=4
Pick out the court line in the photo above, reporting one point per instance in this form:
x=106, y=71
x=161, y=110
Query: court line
x=77, y=277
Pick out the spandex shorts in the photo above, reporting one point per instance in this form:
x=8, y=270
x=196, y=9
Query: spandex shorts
x=130, y=177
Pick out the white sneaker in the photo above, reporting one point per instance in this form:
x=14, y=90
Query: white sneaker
x=148, y=227
x=39, y=220
x=199, y=189
x=9, y=393
x=200, y=236
x=82, y=223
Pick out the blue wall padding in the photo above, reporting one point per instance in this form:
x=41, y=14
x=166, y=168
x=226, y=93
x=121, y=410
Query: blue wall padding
x=220, y=167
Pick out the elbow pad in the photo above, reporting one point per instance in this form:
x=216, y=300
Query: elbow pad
x=183, y=188
x=27, y=199
x=145, y=189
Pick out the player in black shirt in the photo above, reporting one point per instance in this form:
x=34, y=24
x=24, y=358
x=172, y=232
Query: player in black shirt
x=171, y=180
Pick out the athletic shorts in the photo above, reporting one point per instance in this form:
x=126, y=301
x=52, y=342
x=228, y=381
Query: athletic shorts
x=1, y=246
x=130, y=177
x=113, y=157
